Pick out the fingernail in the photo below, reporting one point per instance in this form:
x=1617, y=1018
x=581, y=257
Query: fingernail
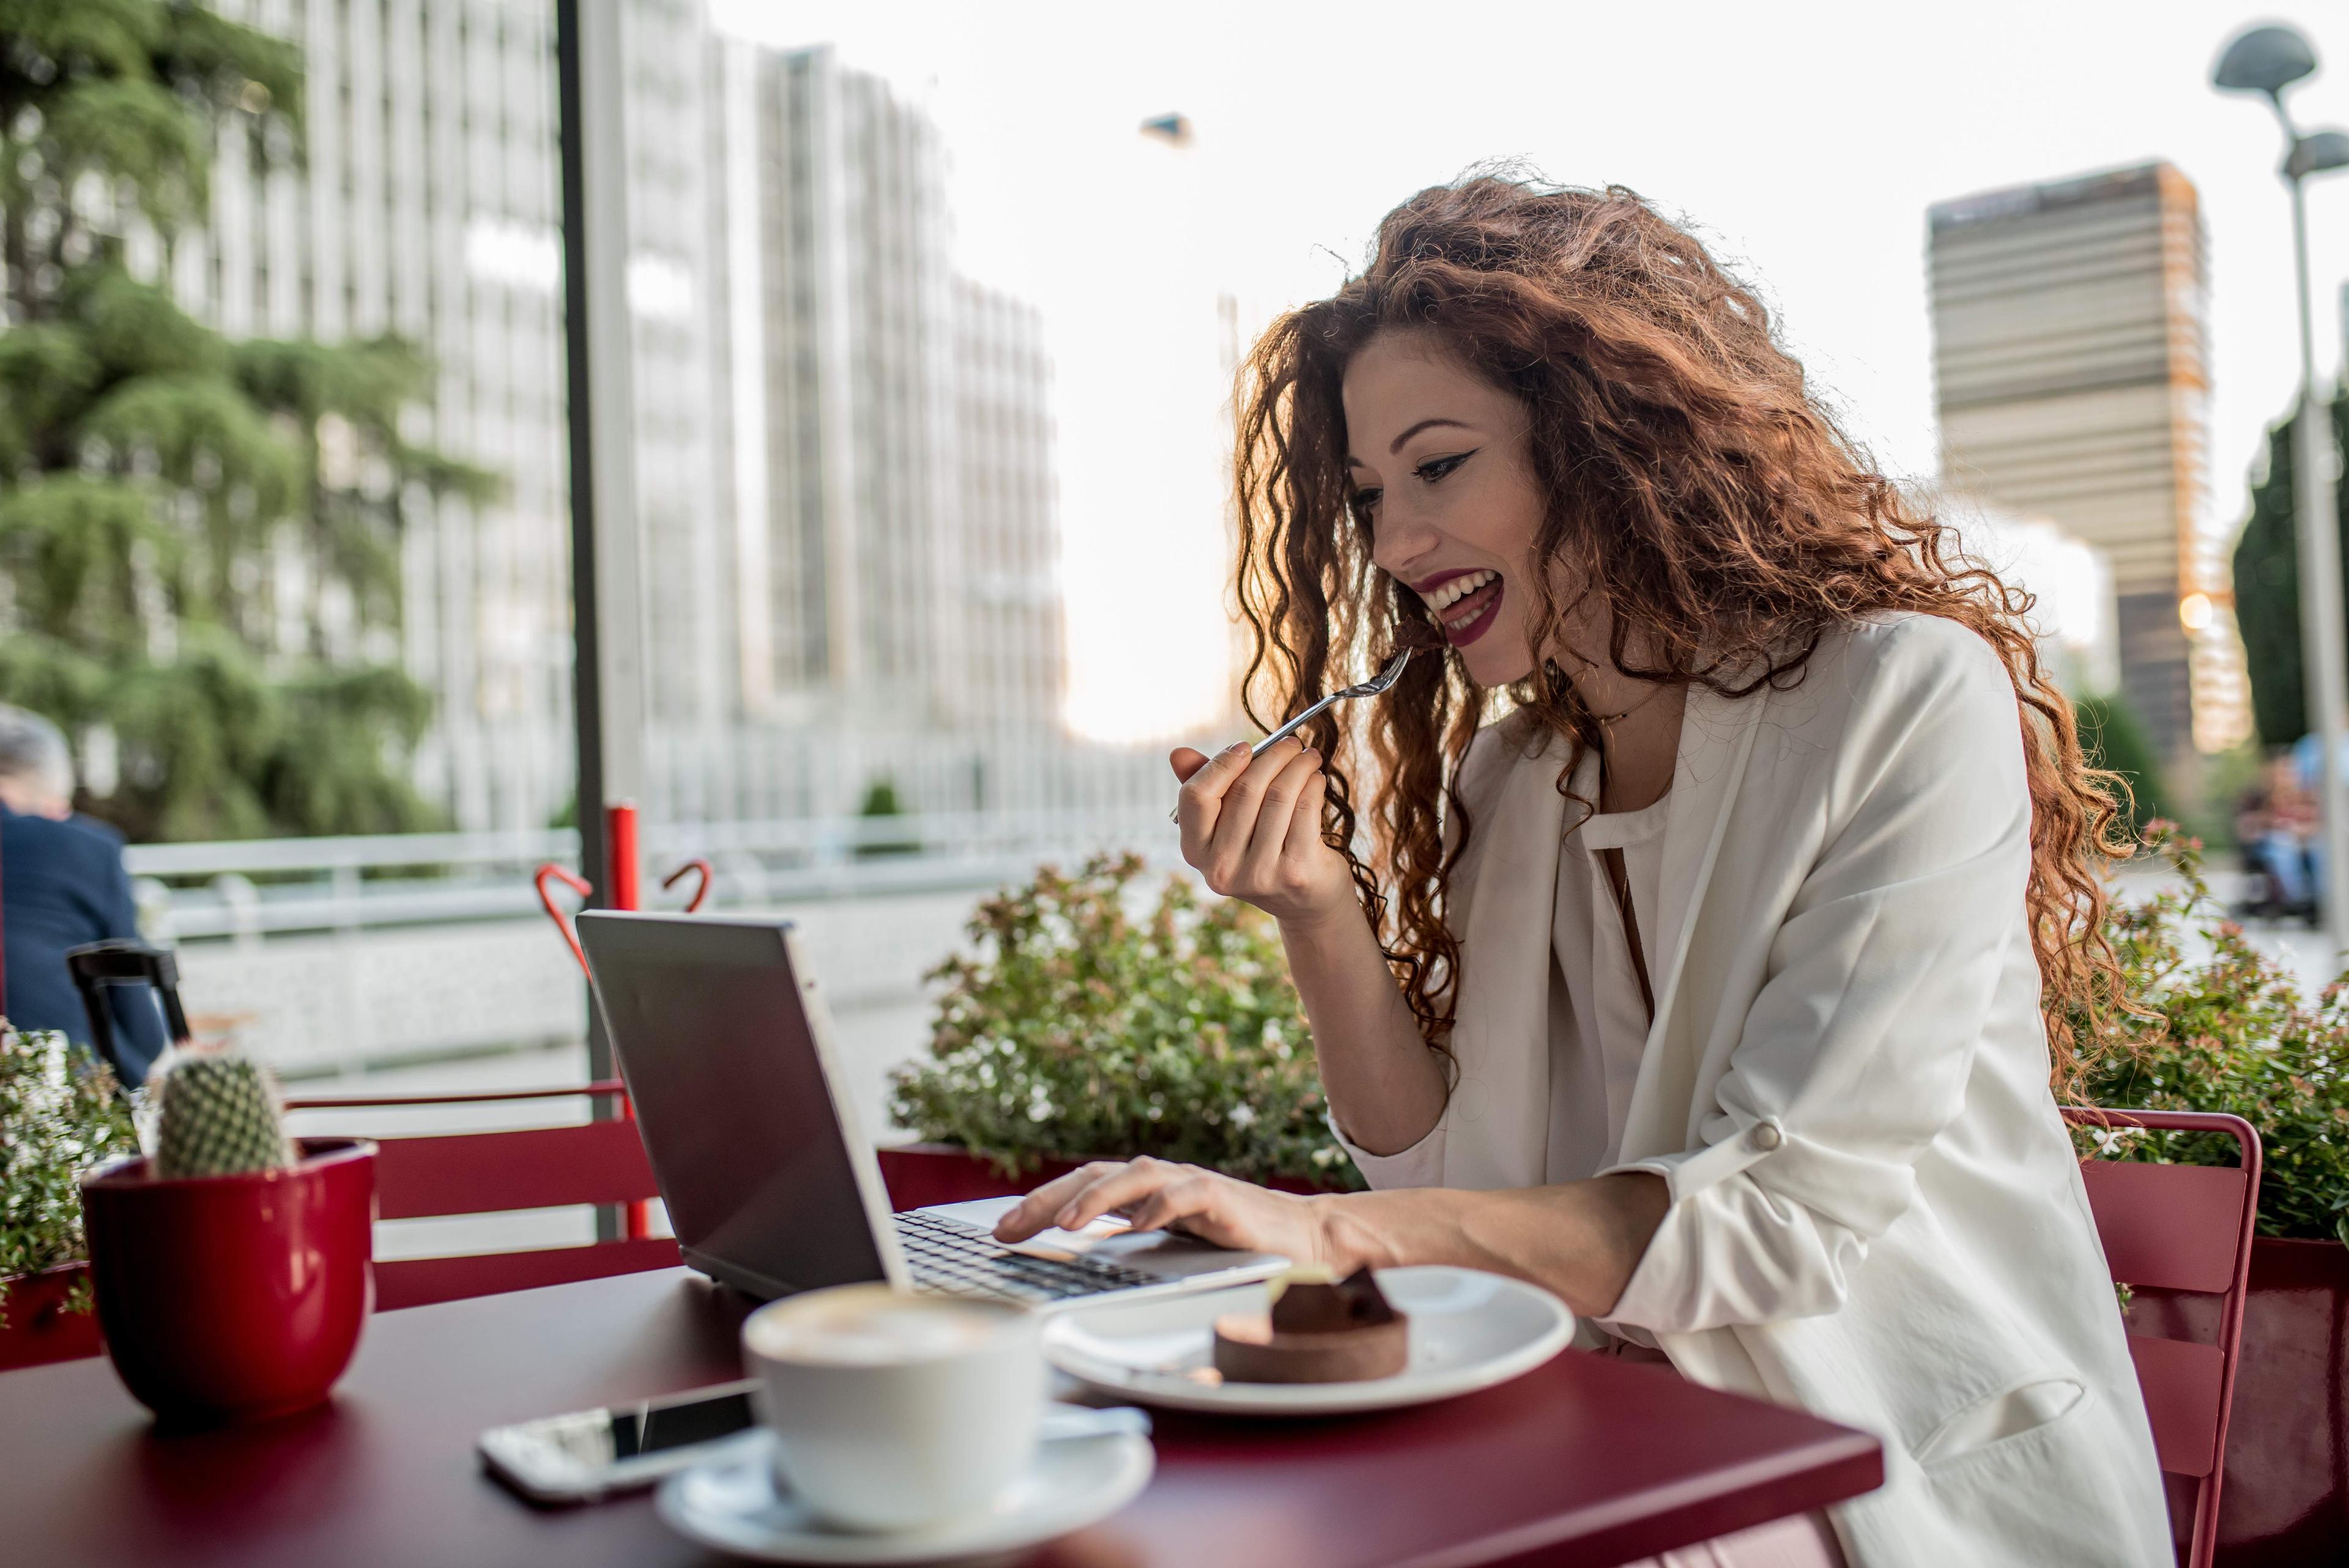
x=1064, y=1219
x=1235, y=747
x=1314, y=754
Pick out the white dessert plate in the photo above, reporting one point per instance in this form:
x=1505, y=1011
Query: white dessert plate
x=730, y=1501
x=1469, y=1330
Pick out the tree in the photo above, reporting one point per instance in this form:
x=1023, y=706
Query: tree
x=198, y=537
x=2267, y=586
x=2115, y=740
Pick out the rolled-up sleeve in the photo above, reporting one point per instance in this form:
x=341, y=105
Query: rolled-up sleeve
x=1855, y=1052
x=1421, y=1165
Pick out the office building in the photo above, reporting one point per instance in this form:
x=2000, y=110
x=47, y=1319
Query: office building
x=1013, y=671
x=2071, y=380
x=2070, y=584
x=897, y=525
x=427, y=206
x=843, y=451
x=857, y=359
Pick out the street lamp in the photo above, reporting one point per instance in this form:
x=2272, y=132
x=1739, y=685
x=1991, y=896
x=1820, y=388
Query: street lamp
x=2266, y=60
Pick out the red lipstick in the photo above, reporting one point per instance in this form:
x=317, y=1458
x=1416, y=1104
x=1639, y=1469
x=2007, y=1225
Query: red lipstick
x=1462, y=633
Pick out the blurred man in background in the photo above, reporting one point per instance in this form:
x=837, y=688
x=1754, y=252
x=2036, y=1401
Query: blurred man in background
x=2279, y=828
x=61, y=884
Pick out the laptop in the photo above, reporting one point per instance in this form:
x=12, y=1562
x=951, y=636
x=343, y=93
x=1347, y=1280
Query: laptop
x=726, y=1047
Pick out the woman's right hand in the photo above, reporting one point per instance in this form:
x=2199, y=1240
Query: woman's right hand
x=1253, y=829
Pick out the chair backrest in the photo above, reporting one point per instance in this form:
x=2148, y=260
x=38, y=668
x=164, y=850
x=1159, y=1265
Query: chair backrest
x=443, y=1174
x=2182, y=1228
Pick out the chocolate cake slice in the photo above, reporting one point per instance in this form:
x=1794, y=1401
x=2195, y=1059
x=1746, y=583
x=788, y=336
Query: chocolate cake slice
x=1319, y=1330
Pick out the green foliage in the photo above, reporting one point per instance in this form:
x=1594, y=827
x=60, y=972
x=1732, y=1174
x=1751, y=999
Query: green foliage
x=326, y=775
x=1074, y=1030
x=2226, y=778
x=2226, y=1029
x=2113, y=739
x=154, y=474
x=881, y=802
x=59, y=1114
x=131, y=93
x=2267, y=586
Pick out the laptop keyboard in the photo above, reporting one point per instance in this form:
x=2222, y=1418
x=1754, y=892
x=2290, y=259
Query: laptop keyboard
x=956, y=1259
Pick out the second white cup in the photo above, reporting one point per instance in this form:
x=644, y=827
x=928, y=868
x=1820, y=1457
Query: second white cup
x=892, y=1412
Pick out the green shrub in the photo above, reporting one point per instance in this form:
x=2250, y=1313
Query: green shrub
x=60, y=1113
x=2228, y=1029
x=2114, y=738
x=1074, y=1030
x=882, y=802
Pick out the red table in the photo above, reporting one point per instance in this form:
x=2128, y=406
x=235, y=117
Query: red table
x=1587, y=1460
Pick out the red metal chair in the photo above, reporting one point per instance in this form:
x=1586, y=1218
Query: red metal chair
x=435, y=1176
x=443, y=1174
x=2181, y=1228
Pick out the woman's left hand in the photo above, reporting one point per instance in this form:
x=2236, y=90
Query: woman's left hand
x=1157, y=1194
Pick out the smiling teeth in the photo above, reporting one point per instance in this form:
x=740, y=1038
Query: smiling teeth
x=1449, y=594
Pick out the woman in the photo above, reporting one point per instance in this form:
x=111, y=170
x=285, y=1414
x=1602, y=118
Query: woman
x=1719, y=985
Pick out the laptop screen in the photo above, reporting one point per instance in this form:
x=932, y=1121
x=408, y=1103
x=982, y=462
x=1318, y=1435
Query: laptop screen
x=711, y=1025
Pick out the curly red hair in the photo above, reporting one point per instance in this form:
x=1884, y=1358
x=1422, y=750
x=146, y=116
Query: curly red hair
x=1694, y=485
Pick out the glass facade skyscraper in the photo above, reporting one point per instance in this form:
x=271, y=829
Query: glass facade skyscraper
x=843, y=449
x=2071, y=372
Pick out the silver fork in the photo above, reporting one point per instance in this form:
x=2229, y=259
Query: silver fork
x=1371, y=688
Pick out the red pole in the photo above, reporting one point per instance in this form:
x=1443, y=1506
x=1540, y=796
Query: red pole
x=620, y=852
x=620, y=856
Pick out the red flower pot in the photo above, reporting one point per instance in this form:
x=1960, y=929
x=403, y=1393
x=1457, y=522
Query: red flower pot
x=233, y=1298
x=39, y=1327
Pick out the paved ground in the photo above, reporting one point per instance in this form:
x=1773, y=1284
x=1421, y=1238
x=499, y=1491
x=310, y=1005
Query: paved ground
x=2309, y=952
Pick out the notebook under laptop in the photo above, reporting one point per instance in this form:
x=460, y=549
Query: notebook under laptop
x=726, y=1047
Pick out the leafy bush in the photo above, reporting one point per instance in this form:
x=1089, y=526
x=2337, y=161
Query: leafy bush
x=2226, y=1029
x=1074, y=1030
x=881, y=802
x=60, y=1113
x=2114, y=738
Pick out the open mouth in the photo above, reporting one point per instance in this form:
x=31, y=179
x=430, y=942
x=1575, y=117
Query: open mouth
x=1466, y=605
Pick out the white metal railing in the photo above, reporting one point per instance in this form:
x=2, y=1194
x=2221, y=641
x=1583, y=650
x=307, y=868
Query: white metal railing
x=253, y=887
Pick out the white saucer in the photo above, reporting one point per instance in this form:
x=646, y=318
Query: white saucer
x=1469, y=1330
x=729, y=1501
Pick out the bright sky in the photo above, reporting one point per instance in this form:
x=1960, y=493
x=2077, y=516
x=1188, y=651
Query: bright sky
x=1805, y=142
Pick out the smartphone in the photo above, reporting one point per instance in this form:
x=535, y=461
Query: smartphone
x=593, y=1453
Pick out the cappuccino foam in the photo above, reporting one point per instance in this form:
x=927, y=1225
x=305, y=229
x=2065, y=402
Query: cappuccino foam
x=878, y=1328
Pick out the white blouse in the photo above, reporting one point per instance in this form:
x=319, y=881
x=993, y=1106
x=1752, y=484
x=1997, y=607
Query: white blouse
x=1599, y=1018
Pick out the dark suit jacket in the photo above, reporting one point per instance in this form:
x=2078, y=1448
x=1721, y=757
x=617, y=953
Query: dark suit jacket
x=62, y=884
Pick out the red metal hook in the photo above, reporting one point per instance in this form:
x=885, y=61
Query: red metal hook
x=701, y=892
x=578, y=885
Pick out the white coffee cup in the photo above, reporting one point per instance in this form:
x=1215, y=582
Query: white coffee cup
x=893, y=1411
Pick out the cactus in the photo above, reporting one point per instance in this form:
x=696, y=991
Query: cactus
x=219, y=1116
